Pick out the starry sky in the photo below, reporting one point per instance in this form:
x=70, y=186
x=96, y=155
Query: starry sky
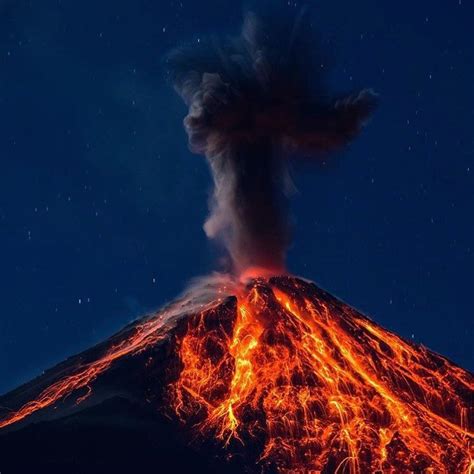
x=102, y=204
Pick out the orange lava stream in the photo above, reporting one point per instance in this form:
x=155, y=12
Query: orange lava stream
x=143, y=336
x=326, y=389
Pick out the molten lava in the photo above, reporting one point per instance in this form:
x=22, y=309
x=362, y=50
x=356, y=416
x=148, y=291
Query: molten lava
x=322, y=388
x=286, y=378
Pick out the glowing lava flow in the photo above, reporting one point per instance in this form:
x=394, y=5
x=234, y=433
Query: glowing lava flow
x=321, y=388
x=142, y=336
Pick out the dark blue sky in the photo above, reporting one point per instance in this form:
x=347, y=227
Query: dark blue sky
x=102, y=205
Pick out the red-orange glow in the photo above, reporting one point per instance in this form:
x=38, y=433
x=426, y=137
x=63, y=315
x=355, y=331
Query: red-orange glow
x=252, y=273
x=326, y=389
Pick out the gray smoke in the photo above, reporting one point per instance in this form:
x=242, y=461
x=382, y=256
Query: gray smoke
x=252, y=100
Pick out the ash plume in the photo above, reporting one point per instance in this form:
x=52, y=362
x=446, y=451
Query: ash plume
x=254, y=99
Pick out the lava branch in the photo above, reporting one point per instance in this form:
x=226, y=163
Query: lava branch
x=144, y=336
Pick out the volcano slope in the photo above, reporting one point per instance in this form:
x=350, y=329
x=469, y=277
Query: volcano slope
x=275, y=375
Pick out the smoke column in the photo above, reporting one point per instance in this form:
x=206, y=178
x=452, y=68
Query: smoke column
x=252, y=100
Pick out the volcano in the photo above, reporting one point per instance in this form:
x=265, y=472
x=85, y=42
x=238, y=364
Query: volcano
x=273, y=375
x=251, y=370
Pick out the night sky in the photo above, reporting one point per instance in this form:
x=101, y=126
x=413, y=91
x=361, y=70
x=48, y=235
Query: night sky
x=102, y=204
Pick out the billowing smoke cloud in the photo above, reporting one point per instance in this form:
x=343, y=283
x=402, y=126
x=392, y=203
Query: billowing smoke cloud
x=252, y=99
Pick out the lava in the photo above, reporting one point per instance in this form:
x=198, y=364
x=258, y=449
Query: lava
x=325, y=388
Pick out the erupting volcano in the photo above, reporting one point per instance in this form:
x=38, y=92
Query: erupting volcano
x=252, y=370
